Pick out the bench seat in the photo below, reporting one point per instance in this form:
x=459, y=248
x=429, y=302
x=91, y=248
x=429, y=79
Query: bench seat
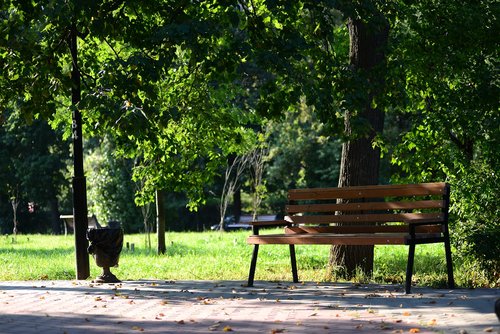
x=338, y=239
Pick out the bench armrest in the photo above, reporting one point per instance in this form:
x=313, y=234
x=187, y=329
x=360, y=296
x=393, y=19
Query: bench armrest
x=270, y=223
x=273, y=223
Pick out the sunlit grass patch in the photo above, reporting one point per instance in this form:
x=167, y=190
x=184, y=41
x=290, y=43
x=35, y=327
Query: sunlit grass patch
x=219, y=256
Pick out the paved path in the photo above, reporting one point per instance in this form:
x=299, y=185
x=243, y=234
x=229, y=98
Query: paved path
x=156, y=306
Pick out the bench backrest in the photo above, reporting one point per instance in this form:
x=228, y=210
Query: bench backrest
x=369, y=209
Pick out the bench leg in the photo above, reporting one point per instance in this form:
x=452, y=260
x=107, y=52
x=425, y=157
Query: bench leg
x=294, y=264
x=253, y=264
x=449, y=263
x=409, y=268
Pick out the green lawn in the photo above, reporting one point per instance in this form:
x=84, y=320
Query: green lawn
x=211, y=256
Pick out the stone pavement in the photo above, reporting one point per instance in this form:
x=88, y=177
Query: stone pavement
x=157, y=306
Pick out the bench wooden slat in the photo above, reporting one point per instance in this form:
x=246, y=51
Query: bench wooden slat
x=369, y=218
x=345, y=229
x=364, y=206
x=331, y=239
x=379, y=191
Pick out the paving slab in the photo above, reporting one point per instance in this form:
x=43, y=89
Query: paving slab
x=158, y=306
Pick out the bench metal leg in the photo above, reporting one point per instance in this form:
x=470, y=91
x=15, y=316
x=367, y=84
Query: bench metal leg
x=409, y=268
x=253, y=264
x=294, y=264
x=449, y=263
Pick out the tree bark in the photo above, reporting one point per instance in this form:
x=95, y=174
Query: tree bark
x=160, y=222
x=360, y=161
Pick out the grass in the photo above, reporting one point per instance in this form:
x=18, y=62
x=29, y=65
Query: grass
x=212, y=256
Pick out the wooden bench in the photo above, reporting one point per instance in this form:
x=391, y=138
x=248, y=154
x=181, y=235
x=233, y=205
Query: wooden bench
x=408, y=214
x=69, y=223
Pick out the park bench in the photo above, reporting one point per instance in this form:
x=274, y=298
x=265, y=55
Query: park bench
x=69, y=224
x=409, y=214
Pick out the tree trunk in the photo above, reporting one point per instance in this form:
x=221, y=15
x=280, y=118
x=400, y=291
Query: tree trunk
x=160, y=222
x=360, y=161
x=54, y=215
x=237, y=204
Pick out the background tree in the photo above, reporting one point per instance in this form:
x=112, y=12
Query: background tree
x=111, y=191
x=236, y=166
x=33, y=171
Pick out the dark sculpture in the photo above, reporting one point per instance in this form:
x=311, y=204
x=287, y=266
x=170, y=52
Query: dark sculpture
x=105, y=246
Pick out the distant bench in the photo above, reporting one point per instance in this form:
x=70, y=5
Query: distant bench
x=69, y=223
x=409, y=214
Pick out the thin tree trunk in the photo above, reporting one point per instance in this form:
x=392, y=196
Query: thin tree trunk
x=54, y=215
x=237, y=205
x=360, y=161
x=160, y=222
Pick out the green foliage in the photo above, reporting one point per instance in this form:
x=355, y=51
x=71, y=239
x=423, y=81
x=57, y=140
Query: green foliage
x=110, y=189
x=450, y=106
x=302, y=152
x=476, y=226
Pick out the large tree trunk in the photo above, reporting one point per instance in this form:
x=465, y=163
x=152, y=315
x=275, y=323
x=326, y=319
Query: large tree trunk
x=360, y=161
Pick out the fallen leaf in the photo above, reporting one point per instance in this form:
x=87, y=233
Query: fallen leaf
x=414, y=330
x=137, y=328
x=227, y=329
x=406, y=314
x=277, y=330
x=180, y=322
x=488, y=330
x=433, y=322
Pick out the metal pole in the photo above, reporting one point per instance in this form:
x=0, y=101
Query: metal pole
x=79, y=185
